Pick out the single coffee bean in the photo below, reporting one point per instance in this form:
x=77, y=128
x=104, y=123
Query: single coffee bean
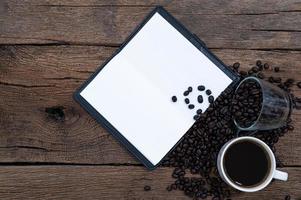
x=174, y=99
x=210, y=99
x=266, y=66
x=189, y=89
x=271, y=79
x=147, y=188
x=186, y=100
x=191, y=106
x=196, y=117
x=208, y=92
x=186, y=93
x=200, y=99
x=287, y=197
x=255, y=69
x=236, y=65
x=199, y=111
x=201, y=88
x=276, y=69
x=258, y=63
x=299, y=84
x=260, y=75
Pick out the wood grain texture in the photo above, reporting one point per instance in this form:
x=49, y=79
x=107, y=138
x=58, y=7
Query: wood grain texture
x=36, y=78
x=108, y=182
x=221, y=24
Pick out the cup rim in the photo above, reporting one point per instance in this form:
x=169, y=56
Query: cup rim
x=267, y=180
x=258, y=117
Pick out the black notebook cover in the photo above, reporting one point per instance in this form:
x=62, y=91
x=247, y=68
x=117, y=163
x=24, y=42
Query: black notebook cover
x=124, y=123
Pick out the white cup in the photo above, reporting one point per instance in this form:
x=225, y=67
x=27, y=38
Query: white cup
x=273, y=173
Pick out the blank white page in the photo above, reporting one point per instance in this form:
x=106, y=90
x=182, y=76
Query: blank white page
x=133, y=91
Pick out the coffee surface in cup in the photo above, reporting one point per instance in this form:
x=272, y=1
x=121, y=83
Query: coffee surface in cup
x=246, y=163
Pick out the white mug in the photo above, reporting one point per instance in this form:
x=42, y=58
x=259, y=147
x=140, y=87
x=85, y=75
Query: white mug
x=273, y=173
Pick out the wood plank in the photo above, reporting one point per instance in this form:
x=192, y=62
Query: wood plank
x=108, y=182
x=226, y=24
x=34, y=78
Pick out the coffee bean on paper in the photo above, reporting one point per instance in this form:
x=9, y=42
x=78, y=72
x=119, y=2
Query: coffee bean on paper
x=186, y=100
x=186, y=93
x=174, y=98
x=195, y=117
x=189, y=89
x=200, y=99
x=199, y=111
x=201, y=88
x=191, y=106
x=208, y=92
x=210, y=99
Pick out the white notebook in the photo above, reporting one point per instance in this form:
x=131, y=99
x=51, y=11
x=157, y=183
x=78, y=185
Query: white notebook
x=131, y=94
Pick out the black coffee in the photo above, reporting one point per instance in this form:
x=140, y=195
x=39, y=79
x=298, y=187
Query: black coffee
x=246, y=163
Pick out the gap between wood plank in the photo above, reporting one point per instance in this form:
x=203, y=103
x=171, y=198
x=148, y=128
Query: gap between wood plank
x=87, y=164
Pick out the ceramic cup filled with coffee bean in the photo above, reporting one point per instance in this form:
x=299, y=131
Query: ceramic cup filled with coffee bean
x=260, y=105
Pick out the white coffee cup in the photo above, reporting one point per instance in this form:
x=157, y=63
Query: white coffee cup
x=273, y=173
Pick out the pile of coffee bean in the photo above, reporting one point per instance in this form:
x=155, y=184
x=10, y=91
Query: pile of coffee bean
x=246, y=104
x=194, y=158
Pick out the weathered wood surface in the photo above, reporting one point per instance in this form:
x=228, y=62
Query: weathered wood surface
x=48, y=48
x=34, y=78
x=109, y=182
x=269, y=24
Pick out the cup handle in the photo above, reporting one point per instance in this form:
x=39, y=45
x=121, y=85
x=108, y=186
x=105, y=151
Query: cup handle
x=280, y=175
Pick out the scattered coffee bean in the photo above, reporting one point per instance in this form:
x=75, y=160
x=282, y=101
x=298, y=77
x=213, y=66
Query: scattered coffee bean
x=186, y=100
x=174, y=99
x=200, y=99
x=299, y=84
x=201, y=88
x=210, y=99
x=197, y=152
x=271, y=79
x=250, y=72
x=266, y=66
x=255, y=69
x=236, y=65
x=199, y=111
x=260, y=75
x=258, y=63
x=189, y=89
x=147, y=188
x=186, y=93
x=208, y=92
x=196, y=117
x=191, y=106
x=276, y=69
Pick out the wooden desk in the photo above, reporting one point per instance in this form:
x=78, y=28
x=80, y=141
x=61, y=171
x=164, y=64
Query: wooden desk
x=50, y=148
